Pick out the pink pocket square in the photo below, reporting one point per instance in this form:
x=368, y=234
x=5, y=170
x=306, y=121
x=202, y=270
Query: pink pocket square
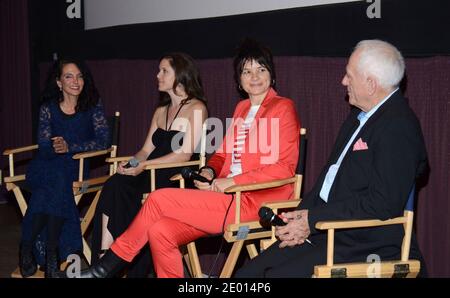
x=360, y=145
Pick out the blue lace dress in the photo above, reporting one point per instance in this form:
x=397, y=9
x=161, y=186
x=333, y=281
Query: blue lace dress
x=50, y=175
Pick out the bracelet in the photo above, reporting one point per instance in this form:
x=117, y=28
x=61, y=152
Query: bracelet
x=210, y=170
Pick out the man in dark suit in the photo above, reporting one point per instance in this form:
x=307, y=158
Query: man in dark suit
x=378, y=155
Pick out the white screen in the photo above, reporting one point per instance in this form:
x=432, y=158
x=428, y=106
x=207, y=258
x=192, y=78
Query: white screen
x=105, y=13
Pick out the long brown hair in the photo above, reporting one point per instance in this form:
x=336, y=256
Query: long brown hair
x=186, y=74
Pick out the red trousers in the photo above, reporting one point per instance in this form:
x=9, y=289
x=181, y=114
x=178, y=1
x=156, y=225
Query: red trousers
x=172, y=217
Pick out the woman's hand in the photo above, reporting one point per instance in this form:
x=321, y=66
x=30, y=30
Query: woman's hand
x=220, y=184
x=120, y=167
x=60, y=145
x=204, y=185
x=130, y=171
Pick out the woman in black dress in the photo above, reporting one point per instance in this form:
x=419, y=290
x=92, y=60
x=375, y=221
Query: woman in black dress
x=179, y=116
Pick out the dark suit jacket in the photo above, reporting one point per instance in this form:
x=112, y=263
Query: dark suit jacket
x=372, y=183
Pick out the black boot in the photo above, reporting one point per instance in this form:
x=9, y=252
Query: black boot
x=27, y=262
x=51, y=265
x=107, y=267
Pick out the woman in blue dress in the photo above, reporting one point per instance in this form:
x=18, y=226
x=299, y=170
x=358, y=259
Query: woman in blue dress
x=71, y=120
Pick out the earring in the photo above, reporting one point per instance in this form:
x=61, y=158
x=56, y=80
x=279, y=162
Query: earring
x=273, y=82
x=240, y=87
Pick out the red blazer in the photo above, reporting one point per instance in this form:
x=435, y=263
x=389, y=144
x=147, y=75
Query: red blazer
x=258, y=163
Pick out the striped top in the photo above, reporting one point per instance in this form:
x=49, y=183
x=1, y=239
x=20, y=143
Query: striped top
x=236, y=165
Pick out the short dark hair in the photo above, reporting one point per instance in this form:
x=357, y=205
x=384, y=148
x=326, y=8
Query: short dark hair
x=249, y=50
x=89, y=96
x=186, y=74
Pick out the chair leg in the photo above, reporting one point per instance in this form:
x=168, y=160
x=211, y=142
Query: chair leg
x=87, y=251
x=20, y=200
x=251, y=249
x=266, y=243
x=185, y=254
x=232, y=259
x=85, y=222
x=194, y=261
x=78, y=198
x=90, y=213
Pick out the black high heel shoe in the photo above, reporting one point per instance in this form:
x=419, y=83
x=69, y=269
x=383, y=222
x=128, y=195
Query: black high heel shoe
x=107, y=267
x=27, y=262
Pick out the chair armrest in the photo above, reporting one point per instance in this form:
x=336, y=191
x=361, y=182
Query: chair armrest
x=89, y=182
x=92, y=153
x=259, y=186
x=118, y=159
x=176, y=177
x=20, y=149
x=13, y=179
x=365, y=223
x=282, y=204
x=173, y=165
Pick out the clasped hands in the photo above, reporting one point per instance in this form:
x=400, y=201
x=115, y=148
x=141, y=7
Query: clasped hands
x=60, y=145
x=297, y=229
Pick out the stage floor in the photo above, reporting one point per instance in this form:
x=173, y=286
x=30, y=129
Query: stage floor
x=10, y=219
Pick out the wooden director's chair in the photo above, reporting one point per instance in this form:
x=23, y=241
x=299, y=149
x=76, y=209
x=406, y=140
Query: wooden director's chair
x=404, y=267
x=153, y=172
x=153, y=168
x=240, y=233
x=82, y=186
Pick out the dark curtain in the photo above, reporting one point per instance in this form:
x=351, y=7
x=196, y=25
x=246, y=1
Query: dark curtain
x=428, y=90
x=129, y=86
x=15, y=103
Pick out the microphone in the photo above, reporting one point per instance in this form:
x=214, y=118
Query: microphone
x=190, y=174
x=132, y=163
x=266, y=215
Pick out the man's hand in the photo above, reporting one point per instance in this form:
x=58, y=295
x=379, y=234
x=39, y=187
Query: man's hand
x=297, y=229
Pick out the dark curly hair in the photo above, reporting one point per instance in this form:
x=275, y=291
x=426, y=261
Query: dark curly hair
x=249, y=50
x=89, y=96
x=186, y=74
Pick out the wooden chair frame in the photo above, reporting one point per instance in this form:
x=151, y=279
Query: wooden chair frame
x=404, y=267
x=191, y=250
x=80, y=187
x=153, y=168
x=240, y=233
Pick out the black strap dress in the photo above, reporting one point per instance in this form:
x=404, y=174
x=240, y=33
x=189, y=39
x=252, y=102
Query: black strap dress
x=121, y=199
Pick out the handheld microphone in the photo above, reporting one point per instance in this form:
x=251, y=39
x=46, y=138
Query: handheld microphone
x=266, y=214
x=132, y=163
x=190, y=174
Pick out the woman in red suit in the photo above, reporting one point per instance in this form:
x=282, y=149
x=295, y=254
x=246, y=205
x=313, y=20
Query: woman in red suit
x=262, y=144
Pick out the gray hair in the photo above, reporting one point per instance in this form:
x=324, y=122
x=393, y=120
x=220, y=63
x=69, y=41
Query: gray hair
x=381, y=60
